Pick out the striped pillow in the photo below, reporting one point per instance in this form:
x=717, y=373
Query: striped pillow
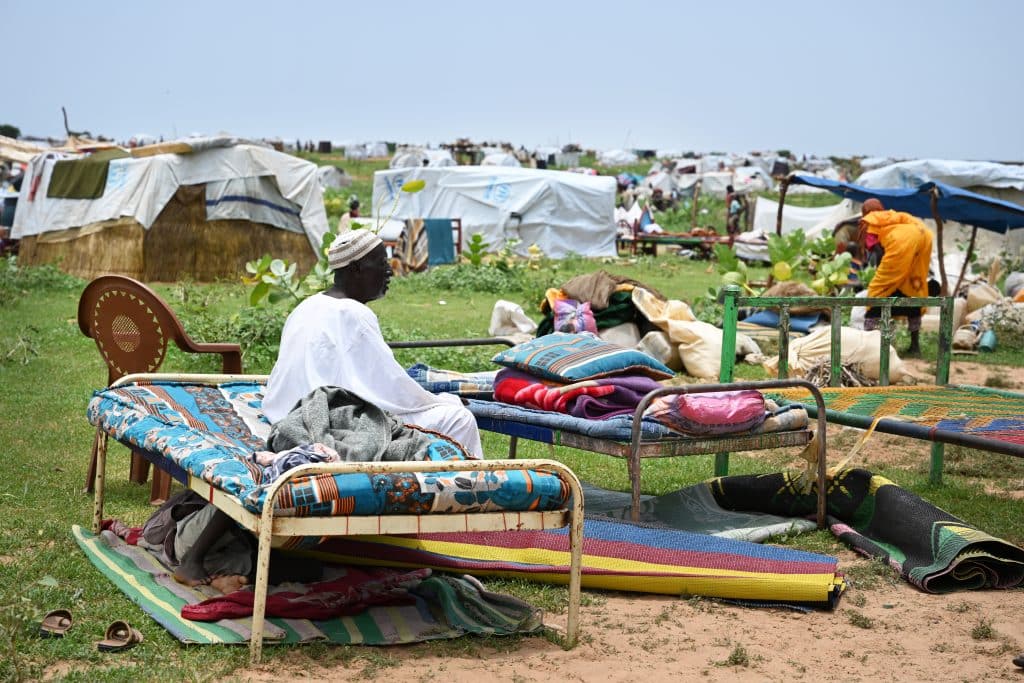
x=577, y=357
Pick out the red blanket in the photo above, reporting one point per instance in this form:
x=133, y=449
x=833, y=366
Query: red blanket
x=351, y=594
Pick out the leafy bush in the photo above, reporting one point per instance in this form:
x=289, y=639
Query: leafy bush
x=17, y=280
x=490, y=279
x=257, y=329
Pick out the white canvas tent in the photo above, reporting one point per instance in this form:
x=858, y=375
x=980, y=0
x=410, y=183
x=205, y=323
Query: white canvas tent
x=560, y=212
x=616, y=157
x=500, y=159
x=333, y=177
x=417, y=157
x=814, y=221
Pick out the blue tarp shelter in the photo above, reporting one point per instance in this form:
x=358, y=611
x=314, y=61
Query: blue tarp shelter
x=952, y=203
x=929, y=200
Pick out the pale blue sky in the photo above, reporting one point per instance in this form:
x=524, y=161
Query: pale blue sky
x=895, y=78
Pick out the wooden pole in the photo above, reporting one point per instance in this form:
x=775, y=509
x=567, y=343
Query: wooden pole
x=938, y=234
x=693, y=214
x=782, y=201
x=967, y=259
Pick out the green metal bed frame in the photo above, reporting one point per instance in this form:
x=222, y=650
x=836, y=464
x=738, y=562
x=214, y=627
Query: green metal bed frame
x=734, y=300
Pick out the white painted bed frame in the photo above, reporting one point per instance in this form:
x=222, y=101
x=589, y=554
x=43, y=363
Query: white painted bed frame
x=274, y=531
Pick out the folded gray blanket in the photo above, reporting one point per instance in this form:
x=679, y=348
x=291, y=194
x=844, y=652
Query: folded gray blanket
x=359, y=431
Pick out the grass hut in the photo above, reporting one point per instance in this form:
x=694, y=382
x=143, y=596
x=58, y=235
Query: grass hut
x=198, y=209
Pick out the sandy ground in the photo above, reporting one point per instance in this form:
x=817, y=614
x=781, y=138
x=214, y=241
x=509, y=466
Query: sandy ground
x=887, y=632
x=883, y=629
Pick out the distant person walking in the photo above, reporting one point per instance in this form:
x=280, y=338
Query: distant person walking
x=736, y=206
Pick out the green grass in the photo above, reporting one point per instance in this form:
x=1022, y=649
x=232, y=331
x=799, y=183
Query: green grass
x=46, y=439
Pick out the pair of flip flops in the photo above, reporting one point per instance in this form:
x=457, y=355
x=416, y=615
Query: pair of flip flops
x=119, y=636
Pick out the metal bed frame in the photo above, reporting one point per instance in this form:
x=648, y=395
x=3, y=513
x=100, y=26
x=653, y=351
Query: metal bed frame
x=638, y=448
x=734, y=300
x=273, y=531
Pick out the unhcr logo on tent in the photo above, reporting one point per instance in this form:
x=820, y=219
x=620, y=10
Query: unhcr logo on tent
x=394, y=186
x=497, y=192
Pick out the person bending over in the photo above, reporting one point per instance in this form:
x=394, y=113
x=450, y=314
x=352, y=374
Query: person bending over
x=906, y=246
x=334, y=339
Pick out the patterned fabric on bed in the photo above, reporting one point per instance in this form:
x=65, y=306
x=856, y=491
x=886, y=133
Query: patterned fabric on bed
x=465, y=384
x=211, y=432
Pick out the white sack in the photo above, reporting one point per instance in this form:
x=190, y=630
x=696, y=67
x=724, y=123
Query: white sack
x=657, y=345
x=858, y=347
x=509, y=320
x=626, y=335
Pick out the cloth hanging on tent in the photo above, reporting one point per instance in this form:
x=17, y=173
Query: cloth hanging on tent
x=411, y=252
x=440, y=244
x=82, y=178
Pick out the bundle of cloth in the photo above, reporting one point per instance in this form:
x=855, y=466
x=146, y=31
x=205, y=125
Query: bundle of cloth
x=592, y=379
x=591, y=399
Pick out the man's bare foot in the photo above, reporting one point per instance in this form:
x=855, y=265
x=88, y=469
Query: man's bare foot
x=191, y=575
x=229, y=583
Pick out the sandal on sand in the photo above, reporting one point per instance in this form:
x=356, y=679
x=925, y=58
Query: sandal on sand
x=120, y=636
x=55, y=624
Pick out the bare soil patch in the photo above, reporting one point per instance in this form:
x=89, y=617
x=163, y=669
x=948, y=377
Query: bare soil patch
x=962, y=371
x=890, y=631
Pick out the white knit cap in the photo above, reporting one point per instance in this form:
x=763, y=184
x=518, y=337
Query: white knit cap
x=350, y=246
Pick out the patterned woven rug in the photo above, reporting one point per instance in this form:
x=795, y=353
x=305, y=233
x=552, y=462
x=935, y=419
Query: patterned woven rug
x=616, y=556
x=929, y=547
x=922, y=411
x=447, y=607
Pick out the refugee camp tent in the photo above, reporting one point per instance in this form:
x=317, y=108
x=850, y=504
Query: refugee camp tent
x=814, y=221
x=616, y=157
x=364, y=150
x=751, y=179
x=412, y=157
x=333, y=177
x=560, y=212
x=500, y=159
x=200, y=208
x=1001, y=181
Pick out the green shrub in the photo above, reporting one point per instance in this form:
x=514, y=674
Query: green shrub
x=257, y=329
x=17, y=280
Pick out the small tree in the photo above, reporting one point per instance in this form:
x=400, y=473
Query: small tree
x=10, y=131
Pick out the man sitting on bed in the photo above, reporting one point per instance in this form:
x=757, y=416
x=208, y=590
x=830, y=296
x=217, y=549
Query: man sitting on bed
x=334, y=339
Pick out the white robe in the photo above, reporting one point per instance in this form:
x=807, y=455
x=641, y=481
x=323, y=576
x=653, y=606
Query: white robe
x=338, y=342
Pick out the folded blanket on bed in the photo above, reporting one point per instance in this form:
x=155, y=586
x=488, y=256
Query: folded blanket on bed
x=359, y=431
x=618, y=428
x=594, y=399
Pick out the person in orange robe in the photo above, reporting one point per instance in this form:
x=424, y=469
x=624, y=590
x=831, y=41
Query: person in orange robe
x=903, y=270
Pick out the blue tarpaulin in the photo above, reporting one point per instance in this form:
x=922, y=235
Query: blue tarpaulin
x=954, y=203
